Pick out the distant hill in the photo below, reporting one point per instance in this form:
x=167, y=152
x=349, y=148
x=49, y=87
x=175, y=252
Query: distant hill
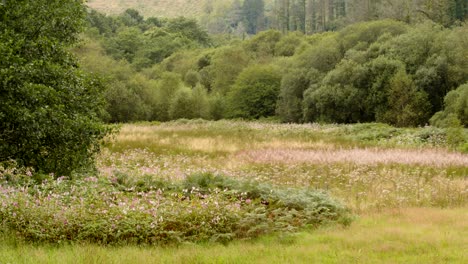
x=160, y=8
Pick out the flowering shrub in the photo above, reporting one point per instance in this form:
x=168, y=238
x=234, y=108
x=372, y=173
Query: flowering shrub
x=202, y=207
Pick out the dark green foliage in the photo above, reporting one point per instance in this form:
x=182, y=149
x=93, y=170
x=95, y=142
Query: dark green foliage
x=255, y=92
x=168, y=85
x=455, y=110
x=49, y=109
x=192, y=78
x=181, y=105
x=124, y=105
x=226, y=64
x=332, y=104
x=189, y=29
x=125, y=44
x=217, y=107
x=145, y=42
x=293, y=85
x=407, y=106
x=322, y=56
x=190, y=103
x=361, y=35
x=131, y=18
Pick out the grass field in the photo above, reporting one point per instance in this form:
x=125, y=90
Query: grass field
x=406, y=189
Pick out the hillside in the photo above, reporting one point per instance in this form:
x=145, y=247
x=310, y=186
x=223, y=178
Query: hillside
x=166, y=8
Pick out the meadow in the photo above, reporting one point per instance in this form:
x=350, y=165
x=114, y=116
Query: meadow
x=245, y=191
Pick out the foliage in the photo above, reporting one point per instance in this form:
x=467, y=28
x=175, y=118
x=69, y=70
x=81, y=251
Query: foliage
x=145, y=42
x=377, y=71
x=50, y=109
x=201, y=208
x=226, y=64
x=456, y=107
x=255, y=92
x=289, y=106
x=407, y=105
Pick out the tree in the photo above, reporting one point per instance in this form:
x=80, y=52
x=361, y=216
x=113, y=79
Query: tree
x=253, y=11
x=255, y=92
x=49, y=108
x=456, y=107
x=407, y=106
x=181, y=105
x=225, y=65
x=192, y=78
x=167, y=87
x=293, y=85
x=332, y=104
x=190, y=29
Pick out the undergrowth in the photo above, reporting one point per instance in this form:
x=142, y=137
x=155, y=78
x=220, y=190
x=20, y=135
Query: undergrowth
x=118, y=210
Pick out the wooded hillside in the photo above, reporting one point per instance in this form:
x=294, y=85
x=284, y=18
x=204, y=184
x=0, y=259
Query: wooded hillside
x=165, y=8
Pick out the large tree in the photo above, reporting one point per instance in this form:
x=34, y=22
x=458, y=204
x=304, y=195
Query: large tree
x=253, y=11
x=49, y=108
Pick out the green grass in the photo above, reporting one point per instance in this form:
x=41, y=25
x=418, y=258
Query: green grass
x=413, y=235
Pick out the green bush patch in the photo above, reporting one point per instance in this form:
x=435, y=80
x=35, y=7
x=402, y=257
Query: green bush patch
x=203, y=207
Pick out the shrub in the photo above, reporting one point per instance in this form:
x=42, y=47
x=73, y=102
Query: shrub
x=204, y=207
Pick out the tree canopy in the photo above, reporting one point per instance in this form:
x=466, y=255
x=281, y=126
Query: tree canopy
x=49, y=109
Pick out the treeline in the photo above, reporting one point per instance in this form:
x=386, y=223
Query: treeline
x=384, y=71
x=144, y=42
x=312, y=16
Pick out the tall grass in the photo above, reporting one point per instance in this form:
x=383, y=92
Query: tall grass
x=369, y=166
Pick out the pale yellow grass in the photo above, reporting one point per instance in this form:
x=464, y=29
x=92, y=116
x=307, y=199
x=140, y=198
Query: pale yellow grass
x=151, y=135
x=364, y=178
x=368, y=156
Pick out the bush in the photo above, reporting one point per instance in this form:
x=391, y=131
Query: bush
x=204, y=207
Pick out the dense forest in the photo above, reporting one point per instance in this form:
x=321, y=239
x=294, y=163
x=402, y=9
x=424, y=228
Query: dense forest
x=296, y=62
x=307, y=16
x=312, y=16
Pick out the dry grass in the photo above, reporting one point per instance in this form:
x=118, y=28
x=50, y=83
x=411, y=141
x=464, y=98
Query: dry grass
x=368, y=156
x=366, y=178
